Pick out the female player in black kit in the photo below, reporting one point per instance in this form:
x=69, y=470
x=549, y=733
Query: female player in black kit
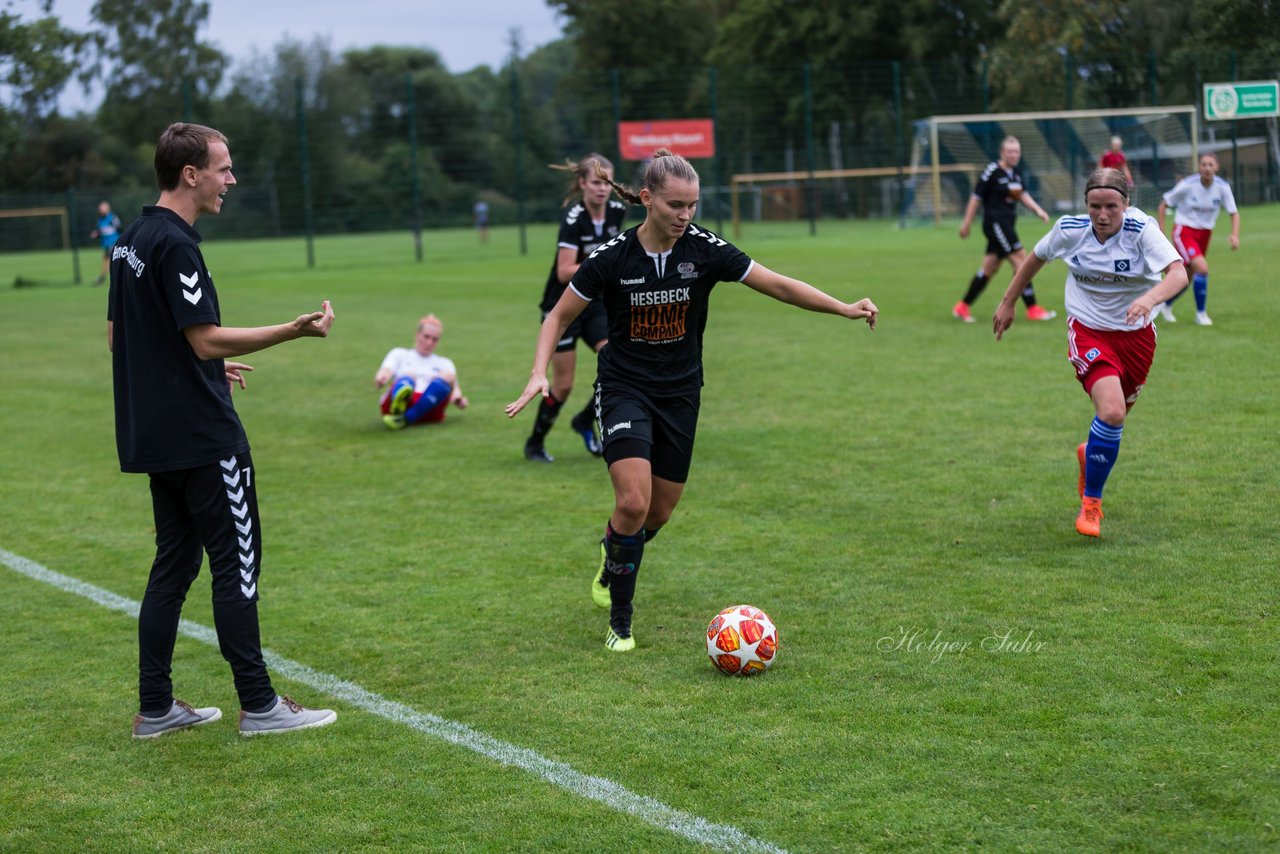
x=584, y=226
x=654, y=281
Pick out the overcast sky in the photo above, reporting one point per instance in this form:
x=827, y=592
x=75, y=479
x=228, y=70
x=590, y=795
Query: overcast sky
x=465, y=33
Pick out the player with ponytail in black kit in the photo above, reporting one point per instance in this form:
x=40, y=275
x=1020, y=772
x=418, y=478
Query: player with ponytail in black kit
x=655, y=281
x=590, y=219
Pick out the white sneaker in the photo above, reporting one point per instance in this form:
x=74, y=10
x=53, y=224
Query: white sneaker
x=1202, y=319
x=284, y=716
x=1165, y=313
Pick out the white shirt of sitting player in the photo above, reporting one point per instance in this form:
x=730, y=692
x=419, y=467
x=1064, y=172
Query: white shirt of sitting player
x=421, y=362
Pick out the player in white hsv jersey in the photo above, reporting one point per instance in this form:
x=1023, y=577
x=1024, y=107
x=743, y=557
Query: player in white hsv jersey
x=418, y=383
x=654, y=282
x=1119, y=267
x=1198, y=200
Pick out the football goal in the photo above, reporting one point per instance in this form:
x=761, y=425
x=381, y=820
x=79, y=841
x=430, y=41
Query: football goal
x=1059, y=149
x=38, y=230
x=873, y=191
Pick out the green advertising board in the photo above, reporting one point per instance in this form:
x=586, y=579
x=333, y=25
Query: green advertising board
x=1249, y=100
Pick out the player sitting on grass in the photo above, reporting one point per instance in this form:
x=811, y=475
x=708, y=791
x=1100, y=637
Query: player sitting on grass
x=422, y=382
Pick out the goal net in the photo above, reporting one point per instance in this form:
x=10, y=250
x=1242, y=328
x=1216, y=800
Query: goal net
x=1059, y=149
x=34, y=228
x=873, y=192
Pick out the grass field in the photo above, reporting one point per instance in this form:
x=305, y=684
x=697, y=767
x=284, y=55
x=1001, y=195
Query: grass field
x=862, y=487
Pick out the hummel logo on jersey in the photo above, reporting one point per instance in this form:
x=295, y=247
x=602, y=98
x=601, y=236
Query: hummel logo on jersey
x=618, y=239
x=1122, y=265
x=192, y=297
x=621, y=425
x=705, y=235
x=243, y=522
x=639, y=281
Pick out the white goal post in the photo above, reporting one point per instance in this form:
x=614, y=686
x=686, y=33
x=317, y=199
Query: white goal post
x=1059, y=149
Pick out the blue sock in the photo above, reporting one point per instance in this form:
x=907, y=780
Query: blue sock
x=1200, y=285
x=397, y=387
x=1100, y=454
x=437, y=391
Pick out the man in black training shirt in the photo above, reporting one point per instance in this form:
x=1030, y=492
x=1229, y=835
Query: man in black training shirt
x=176, y=423
x=654, y=281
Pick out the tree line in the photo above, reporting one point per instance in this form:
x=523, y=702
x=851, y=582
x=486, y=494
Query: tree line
x=784, y=78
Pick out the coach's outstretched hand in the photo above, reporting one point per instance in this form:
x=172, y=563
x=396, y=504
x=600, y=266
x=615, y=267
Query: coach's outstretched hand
x=316, y=324
x=537, y=386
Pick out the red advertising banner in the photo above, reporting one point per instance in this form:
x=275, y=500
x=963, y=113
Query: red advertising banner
x=686, y=137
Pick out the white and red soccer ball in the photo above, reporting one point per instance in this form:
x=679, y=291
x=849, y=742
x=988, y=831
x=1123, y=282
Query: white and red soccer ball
x=742, y=641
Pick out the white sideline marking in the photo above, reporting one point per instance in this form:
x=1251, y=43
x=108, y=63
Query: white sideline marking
x=719, y=836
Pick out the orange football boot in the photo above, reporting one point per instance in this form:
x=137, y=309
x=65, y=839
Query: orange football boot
x=1089, y=522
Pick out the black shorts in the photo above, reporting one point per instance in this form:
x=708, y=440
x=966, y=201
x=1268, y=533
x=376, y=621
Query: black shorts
x=657, y=428
x=1002, y=239
x=592, y=326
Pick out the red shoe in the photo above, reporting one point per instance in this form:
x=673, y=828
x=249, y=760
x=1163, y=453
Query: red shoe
x=1089, y=522
x=1038, y=312
x=1080, y=457
x=961, y=310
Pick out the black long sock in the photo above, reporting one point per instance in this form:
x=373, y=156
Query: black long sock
x=548, y=411
x=623, y=553
x=1029, y=294
x=976, y=287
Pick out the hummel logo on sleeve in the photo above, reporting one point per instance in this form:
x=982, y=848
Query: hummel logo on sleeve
x=190, y=296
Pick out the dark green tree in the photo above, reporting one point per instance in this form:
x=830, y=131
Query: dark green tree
x=156, y=68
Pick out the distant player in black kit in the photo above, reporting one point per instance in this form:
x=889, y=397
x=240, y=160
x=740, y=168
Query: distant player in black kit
x=176, y=423
x=584, y=226
x=655, y=281
x=999, y=191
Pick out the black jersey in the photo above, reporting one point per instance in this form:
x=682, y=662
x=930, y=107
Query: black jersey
x=657, y=306
x=173, y=409
x=999, y=191
x=577, y=231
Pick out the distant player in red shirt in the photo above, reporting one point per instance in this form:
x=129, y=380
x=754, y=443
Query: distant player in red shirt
x=1114, y=158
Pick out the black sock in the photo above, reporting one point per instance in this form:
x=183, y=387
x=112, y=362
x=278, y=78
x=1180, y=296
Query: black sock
x=623, y=553
x=1029, y=294
x=975, y=288
x=548, y=410
x=650, y=533
x=585, y=419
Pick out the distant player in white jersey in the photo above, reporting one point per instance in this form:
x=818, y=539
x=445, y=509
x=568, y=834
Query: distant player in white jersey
x=420, y=383
x=1119, y=267
x=1198, y=200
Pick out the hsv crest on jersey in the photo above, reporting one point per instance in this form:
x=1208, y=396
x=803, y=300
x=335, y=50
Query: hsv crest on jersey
x=1122, y=265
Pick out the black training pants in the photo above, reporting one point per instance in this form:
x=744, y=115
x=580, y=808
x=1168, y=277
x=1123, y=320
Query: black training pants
x=210, y=510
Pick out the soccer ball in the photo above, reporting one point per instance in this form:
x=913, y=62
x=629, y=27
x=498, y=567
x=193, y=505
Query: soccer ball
x=742, y=641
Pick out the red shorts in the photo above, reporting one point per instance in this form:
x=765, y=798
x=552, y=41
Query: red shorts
x=1191, y=242
x=1098, y=353
x=434, y=416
